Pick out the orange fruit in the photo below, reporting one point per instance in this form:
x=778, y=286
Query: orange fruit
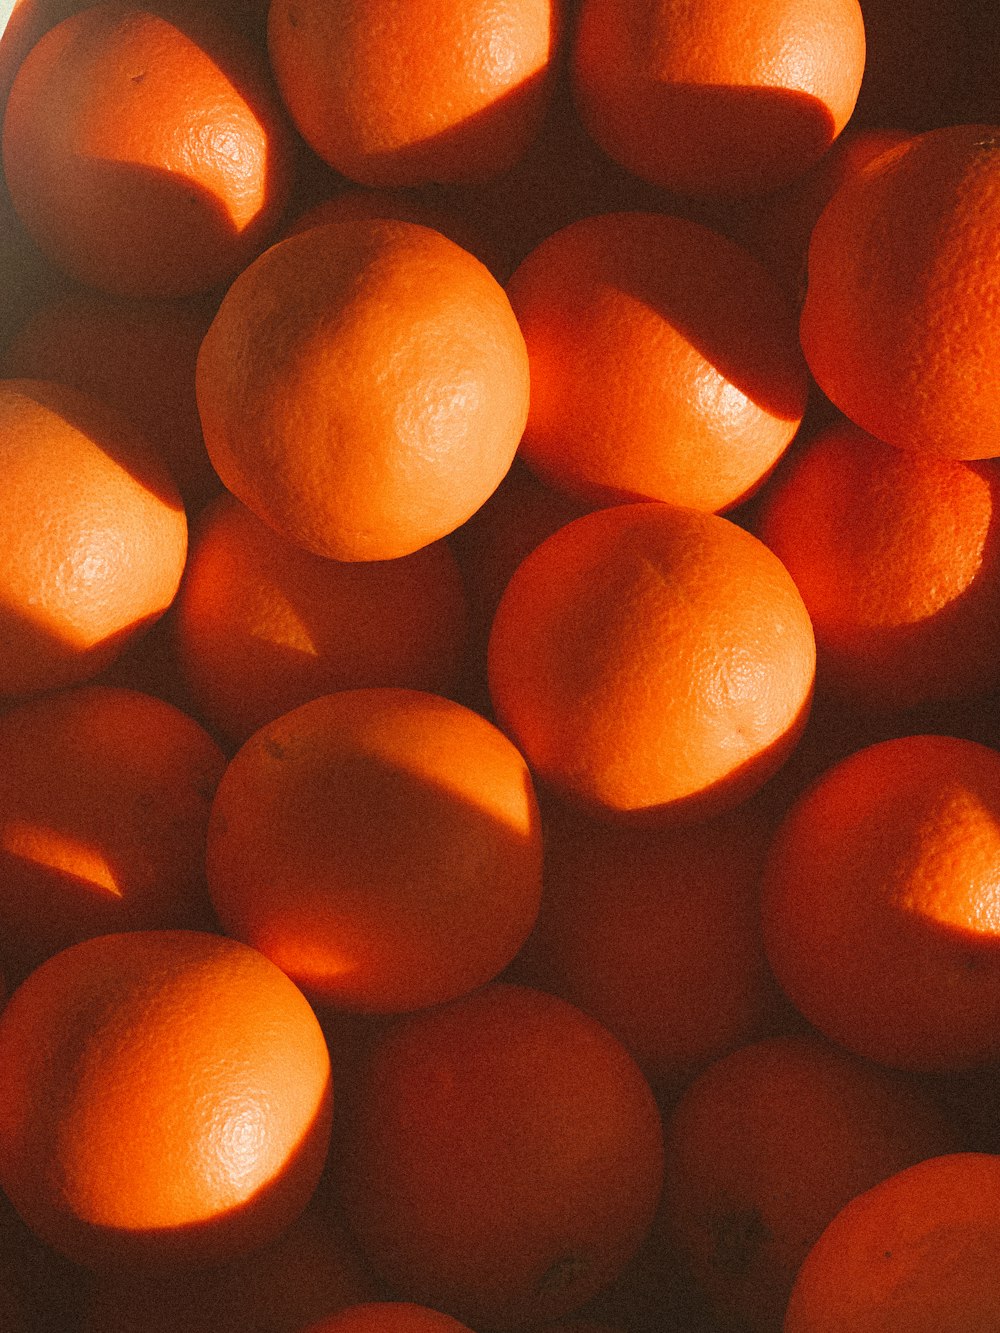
x=363, y=388
x=104, y=803
x=503, y=1159
x=657, y=935
x=443, y=90
x=262, y=626
x=898, y=323
x=652, y=662
x=664, y=362
x=762, y=1151
x=915, y=1252
x=93, y=536
x=138, y=356
x=897, y=557
x=166, y=1099
x=145, y=155
x=312, y=1268
x=782, y=222
x=388, y=1317
x=713, y=96
x=878, y=908
x=382, y=846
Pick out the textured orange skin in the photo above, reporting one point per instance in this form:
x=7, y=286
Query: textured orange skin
x=138, y=356
x=363, y=388
x=93, y=537
x=664, y=363
x=652, y=662
x=262, y=626
x=916, y=1252
x=898, y=325
x=388, y=1317
x=717, y=96
x=382, y=846
x=657, y=936
x=504, y=1157
x=402, y=94
x=167, y=1099
x=762, y=1151
x=145, y=157
x=897, y=557
x=881, y=912
x=104, y=801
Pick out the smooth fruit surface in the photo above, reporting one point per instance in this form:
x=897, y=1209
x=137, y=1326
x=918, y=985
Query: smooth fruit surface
x=167, y=1098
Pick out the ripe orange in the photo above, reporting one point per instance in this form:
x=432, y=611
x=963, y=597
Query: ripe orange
x=715, y=96
x=388, y=1317
x=915, y=1252
x=262, y=626
x=401, y=94
x=762, y=1151
x=897, y=557
x=145, y=155
x=312, y=1268
x=138, y=356
x=657, y=935
x=166, y=1099
x=652, y=662
x=382, y=846
x=93, y=537
x=504, y=1157
x=664, y=362
x=363, y=388
x=879, y=909
x=104, y=802
x=898, y=324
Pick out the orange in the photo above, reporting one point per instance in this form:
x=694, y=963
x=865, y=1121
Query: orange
x=657, y=935
x=915, y=1252
x=312, y=1268
x=652, y=662
x=104, y=803
x=664, y=362
x=897, y=557
x=262, y=626
x=166, y=1099
x=717, y=96
x=93, y=536
x=402, y=94
x=898, y=323
x=363, y=388
x=880, y=916
x=782, y=222
x=145, y=154
x=762, y=1151
x=138, y=356
x=382, y=846
x=504, y=1157
x=388, y=1317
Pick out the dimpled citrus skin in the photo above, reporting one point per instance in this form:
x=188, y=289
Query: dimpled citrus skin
x=382, y=846
x=898, y=325
x=717, y=96
x=147, y=157
x=915, y=1252
x=93, y=537
x=166, y=1099
x=652, y=662
x=880, y=909
x=388, y=1317
x=664, y=362
x=363, y=388
x=401, y=94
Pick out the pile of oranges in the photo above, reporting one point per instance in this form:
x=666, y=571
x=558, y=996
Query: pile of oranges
x=499, y=666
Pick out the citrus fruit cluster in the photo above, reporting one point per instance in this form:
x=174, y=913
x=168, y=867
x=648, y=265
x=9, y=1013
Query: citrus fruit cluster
x=499, y=666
